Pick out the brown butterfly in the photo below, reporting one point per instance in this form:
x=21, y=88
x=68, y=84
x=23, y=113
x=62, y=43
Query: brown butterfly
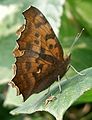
x=39, y=56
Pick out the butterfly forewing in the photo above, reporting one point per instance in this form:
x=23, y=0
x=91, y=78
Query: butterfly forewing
x=36, y=66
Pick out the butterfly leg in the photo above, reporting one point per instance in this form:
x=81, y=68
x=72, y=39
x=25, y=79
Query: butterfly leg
x=50, y=99
x=76, y=70
x=60, y=88
x=48, y=92
x=66, y=77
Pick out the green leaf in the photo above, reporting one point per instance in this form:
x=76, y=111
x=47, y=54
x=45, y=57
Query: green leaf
x=6, y=58
x=81, y=10
x=68, y=31
x=72, y=89
x=12, y=99
x=85, y=98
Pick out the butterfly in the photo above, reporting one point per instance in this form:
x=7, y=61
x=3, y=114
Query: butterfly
x=39, y=55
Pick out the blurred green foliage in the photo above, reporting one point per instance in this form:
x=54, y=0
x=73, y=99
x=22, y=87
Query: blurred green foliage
x=76, y=15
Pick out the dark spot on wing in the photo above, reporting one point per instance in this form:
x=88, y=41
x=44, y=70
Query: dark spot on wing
x=50, y=46
x=36, y=41
x=35, y=75
x=29, y=46
x=42, y=50
x=48, y=58
x=56, y=45
x=28, y=65
x=42, y=22
x=41, y=66
x=37, y=25
x=37, y=34
x=49, y=36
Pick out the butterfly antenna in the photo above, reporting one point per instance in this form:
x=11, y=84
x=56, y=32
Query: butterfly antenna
x=70, y=51
x=76, y=39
